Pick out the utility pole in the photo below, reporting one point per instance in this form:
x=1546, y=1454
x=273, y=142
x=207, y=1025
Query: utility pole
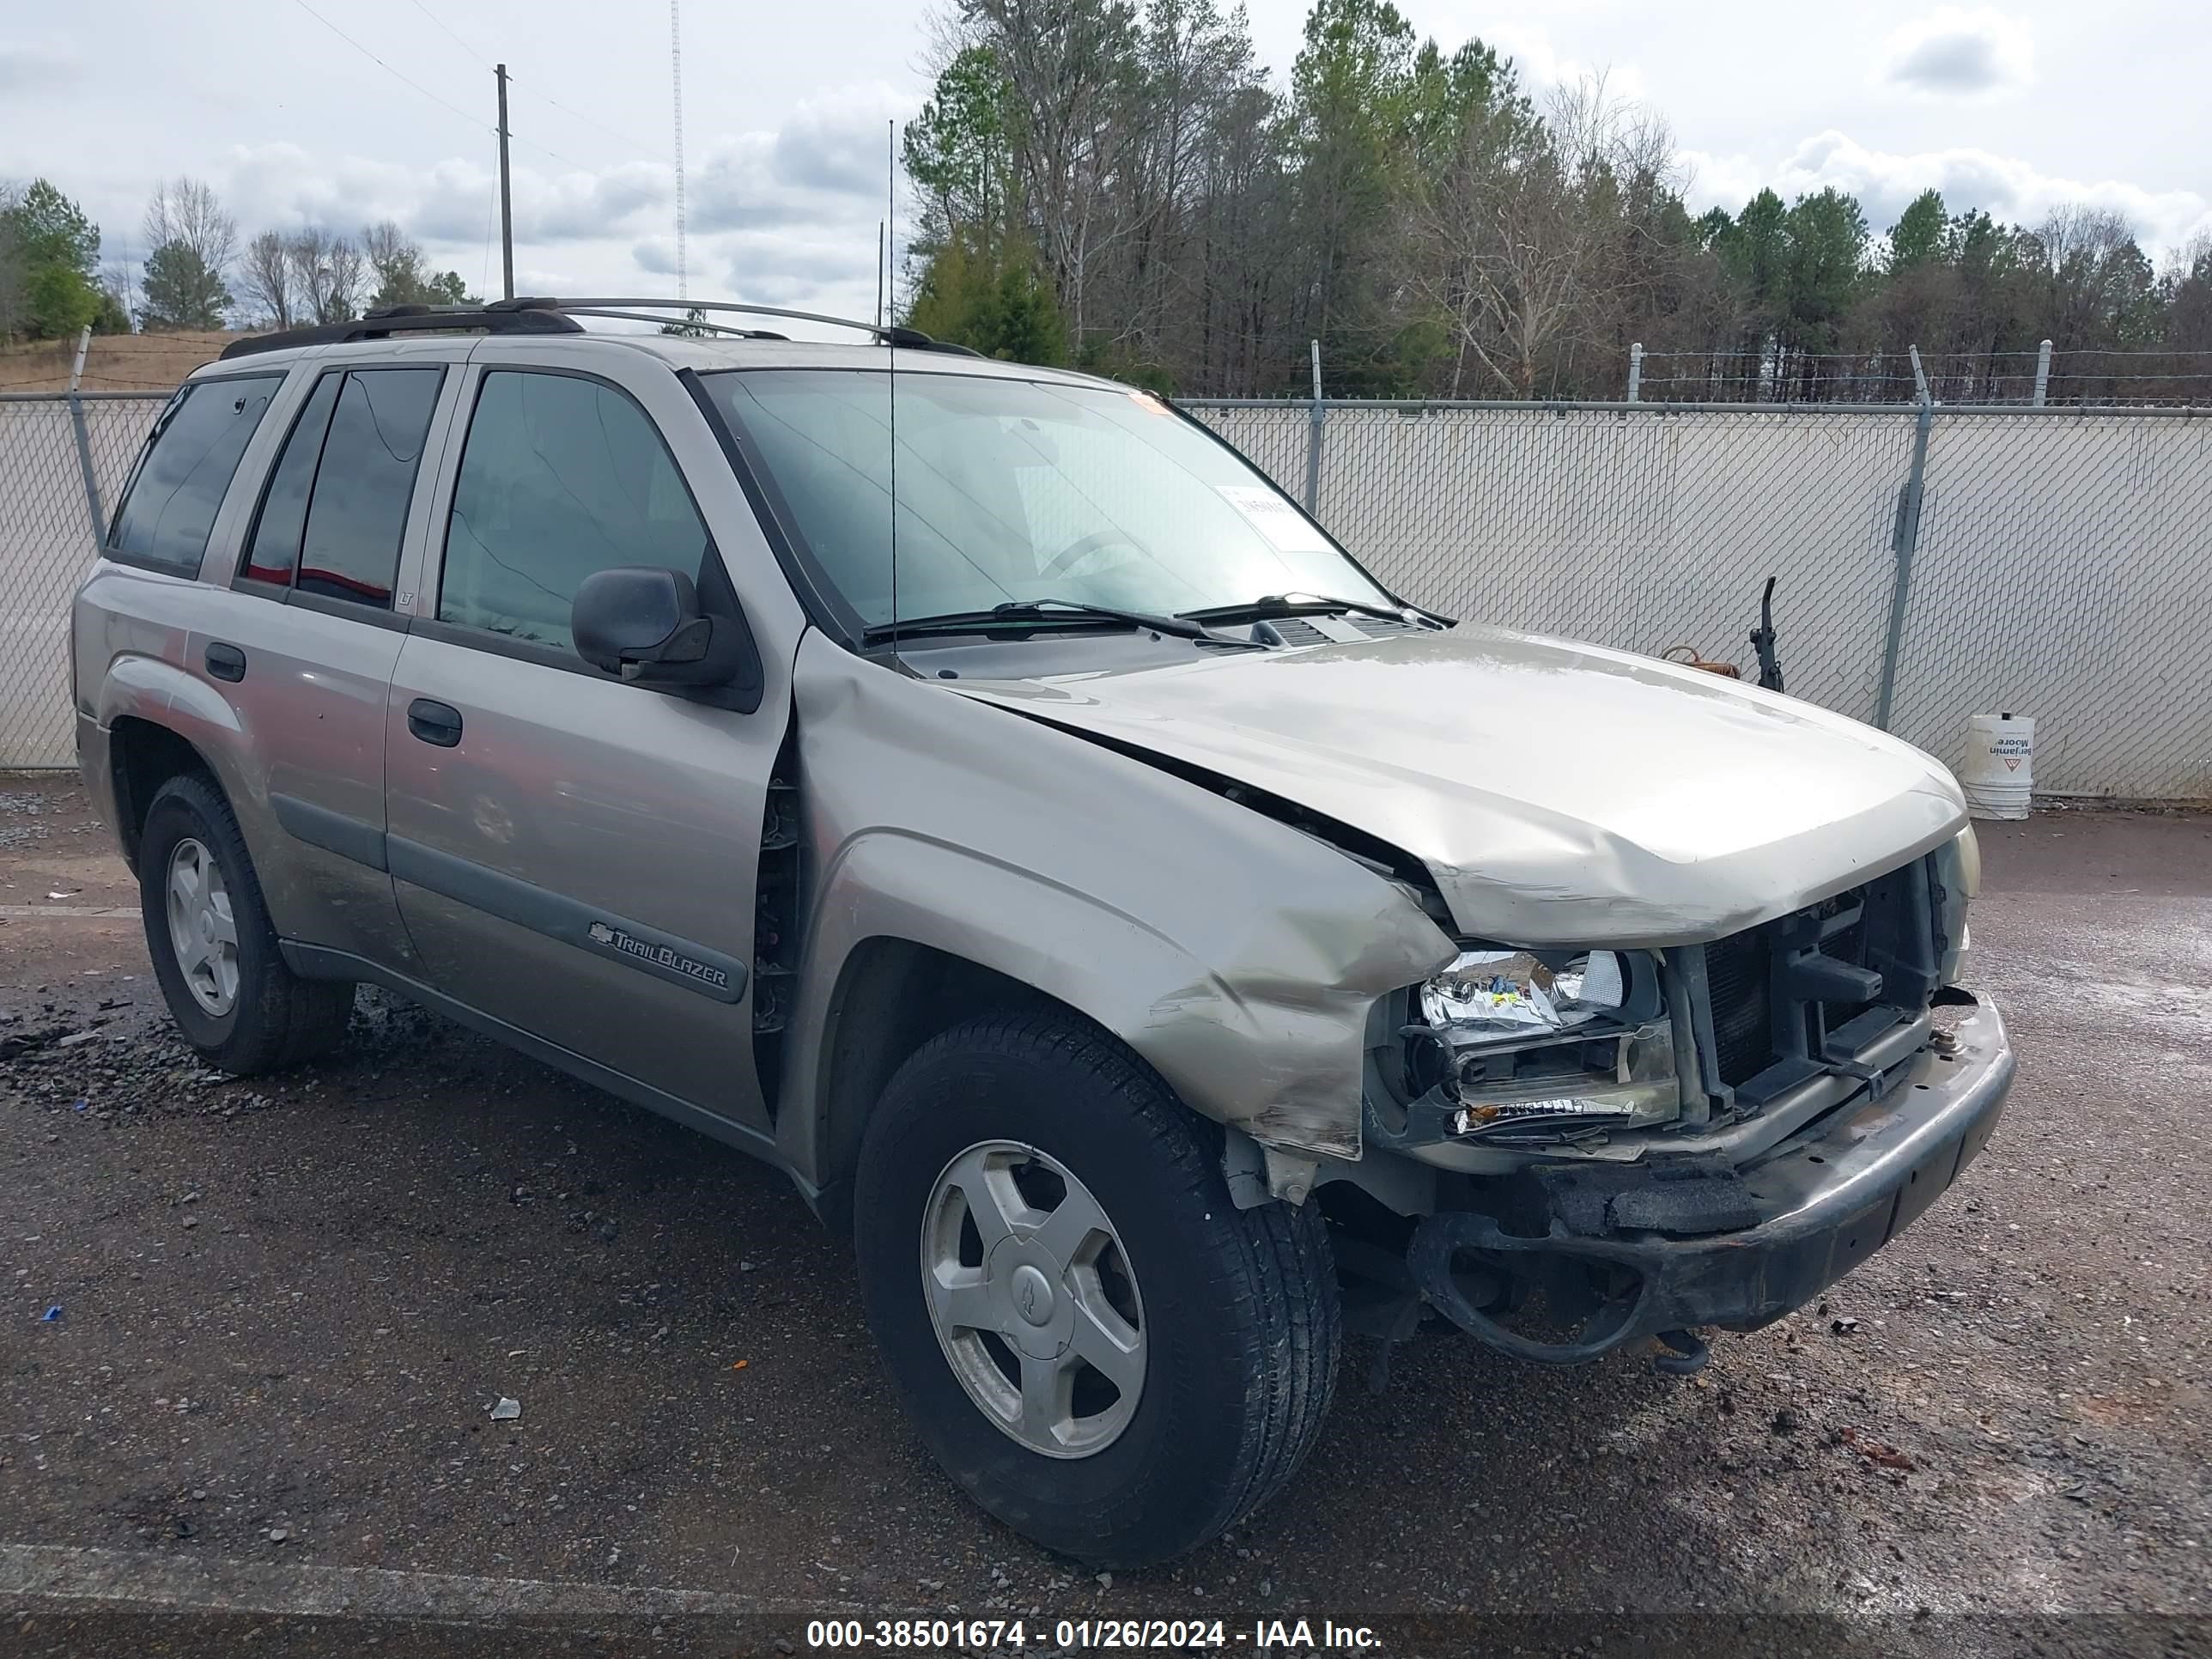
x=506, y=199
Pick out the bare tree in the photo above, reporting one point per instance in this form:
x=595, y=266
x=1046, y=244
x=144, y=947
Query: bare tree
x=388, y=248
x=1065, y=63
x=349, y=274
x=395, y=265
x=186, y=212
x=266, y=275
x=327, y=272
x=1536, y=234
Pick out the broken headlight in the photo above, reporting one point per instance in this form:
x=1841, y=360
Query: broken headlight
x=1546, y=1046
x=1512, y=994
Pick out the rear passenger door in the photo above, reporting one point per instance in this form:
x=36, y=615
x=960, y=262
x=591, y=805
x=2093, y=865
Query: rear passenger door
x=303, y=642
x=575, y=856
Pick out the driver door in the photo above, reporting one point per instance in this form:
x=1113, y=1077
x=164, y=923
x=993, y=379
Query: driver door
x=575, y=856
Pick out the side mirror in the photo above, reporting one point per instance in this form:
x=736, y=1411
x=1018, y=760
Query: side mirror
x=643, y=622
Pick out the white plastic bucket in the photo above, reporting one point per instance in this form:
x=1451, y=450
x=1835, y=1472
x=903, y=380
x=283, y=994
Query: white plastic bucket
x=1999, y=773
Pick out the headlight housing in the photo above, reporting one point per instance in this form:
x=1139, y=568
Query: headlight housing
x=1503, y=994
x=1958, y=879
x=1545, y=1046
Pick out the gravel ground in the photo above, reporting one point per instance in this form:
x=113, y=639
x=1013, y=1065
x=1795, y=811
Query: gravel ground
x=287, y=1308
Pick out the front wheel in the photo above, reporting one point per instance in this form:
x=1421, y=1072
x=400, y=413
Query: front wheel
x=1093, y=1340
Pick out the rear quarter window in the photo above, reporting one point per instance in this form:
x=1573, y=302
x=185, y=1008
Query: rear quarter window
x=169, y=506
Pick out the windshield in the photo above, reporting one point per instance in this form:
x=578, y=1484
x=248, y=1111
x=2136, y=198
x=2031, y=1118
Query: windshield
x=1020, y=490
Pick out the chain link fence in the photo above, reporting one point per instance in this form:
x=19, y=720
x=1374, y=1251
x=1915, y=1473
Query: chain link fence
x=63, y=460
x=1932, y=563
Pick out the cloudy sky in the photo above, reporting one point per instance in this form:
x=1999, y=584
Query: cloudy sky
x=2013, y=108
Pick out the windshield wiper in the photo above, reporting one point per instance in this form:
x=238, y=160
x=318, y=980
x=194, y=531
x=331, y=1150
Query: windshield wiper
x=1023, y=613
x=1284, y=604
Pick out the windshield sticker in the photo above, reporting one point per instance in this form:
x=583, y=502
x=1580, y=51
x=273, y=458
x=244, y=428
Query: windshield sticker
x=1287, y=530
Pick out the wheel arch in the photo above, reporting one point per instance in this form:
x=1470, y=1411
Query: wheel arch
x=143, y=754
x=892, y=995
x=159, y=721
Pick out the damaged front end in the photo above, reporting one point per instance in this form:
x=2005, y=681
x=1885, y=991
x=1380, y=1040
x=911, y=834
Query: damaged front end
x=1632, y=1144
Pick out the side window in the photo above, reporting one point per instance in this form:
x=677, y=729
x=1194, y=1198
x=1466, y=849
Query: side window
x=273, y=554
x=357, y=505
x=169, y=506
x=561, y=477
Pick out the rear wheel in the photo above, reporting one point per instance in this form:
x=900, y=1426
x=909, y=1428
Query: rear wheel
x=214, y=949
x=1096, y=1343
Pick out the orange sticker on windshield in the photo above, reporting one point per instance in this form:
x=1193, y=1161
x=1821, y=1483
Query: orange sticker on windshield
x=1149, y=404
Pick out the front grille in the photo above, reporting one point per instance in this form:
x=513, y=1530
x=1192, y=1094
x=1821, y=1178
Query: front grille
x=1738, y=969
x=1772, y=1027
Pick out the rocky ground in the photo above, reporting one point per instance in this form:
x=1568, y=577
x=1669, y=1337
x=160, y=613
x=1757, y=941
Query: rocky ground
x=254, y=1332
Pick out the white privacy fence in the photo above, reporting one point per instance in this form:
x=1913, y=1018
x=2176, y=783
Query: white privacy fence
x=1932, y=563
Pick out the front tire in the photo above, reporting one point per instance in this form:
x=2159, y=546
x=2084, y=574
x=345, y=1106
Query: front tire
x=214, y=950
x=1092, y=1340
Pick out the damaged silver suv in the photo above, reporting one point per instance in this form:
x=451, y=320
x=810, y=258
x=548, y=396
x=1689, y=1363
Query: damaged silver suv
x=979, y=792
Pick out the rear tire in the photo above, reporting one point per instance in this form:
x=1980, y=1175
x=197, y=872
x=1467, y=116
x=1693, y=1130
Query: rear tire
x=1232, y=1314
x=214, y=950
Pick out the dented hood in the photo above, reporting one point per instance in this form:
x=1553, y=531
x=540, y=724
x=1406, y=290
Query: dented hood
x=1560, y=793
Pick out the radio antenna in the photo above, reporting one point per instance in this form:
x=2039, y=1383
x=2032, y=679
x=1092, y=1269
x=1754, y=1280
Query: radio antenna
x=676, y=84
x=891, y=345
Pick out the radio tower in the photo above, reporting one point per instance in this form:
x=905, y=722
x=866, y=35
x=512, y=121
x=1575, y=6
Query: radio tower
x=675, y=79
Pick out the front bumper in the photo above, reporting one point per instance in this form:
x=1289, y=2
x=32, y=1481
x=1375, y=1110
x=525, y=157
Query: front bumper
x=1812, y=1207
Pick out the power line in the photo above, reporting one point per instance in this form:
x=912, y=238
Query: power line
x=449, y=33
x=579, y=115
x=404, y=80
x=521, y=81
x=303, y=5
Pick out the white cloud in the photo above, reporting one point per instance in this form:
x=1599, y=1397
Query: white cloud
x=2007, y=187
x=1956, y=54
x=786, y=216
x=31, y=65
x=655, y=254
x=1541, y=65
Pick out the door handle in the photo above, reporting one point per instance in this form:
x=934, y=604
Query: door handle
x=225, y=662
x=434, y=722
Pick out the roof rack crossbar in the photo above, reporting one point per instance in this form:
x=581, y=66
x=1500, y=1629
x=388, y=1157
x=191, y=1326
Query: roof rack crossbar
x=409, y=319
x=731, y=329
x=545, y=315
x=564, y=302
x=891, y=334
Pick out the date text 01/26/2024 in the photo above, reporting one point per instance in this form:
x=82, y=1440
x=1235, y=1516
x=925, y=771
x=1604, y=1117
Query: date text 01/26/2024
x=1166, y=1635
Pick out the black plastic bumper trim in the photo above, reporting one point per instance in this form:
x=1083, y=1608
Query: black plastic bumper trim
x=1828, y=1198
x=634, y=944
x=334, y=832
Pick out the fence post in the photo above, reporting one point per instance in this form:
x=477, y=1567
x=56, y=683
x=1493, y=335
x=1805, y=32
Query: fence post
x=84, y=442
x=2042, y=372
x=1635, y=370
x=1904, y=542
x=1313, y=439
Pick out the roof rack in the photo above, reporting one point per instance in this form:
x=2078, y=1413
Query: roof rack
x=688, y=324
x=910, y=339
x=546, y=314
x=521, y=318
